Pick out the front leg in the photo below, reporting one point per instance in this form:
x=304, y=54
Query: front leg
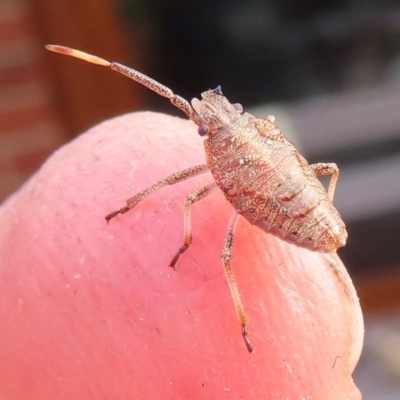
x=169, y=180
x=328, y=169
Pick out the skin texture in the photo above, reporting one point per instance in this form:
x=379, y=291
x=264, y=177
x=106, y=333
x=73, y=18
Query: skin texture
x=90, y=310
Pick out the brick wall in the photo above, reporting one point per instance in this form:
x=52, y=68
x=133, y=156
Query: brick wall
x=30, y=129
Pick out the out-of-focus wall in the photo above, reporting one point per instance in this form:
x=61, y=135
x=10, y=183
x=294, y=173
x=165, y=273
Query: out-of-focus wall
x=30, y=127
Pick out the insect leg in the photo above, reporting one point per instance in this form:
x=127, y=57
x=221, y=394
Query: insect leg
x=327, y=169
x=187, y=222
x=226, y=260
x=169, y=180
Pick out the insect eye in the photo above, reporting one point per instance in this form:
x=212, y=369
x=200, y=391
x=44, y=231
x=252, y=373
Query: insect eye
x=238, y=107
x=203, y=130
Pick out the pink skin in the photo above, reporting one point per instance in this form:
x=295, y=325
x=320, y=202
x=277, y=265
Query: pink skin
x=92, y=311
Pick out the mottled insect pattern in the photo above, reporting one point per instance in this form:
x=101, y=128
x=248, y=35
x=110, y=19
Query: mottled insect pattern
x=259, y=171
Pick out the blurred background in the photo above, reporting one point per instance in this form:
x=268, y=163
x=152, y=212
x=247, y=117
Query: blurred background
x=328, y=69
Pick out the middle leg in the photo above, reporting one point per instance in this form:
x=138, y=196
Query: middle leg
x=193, y=197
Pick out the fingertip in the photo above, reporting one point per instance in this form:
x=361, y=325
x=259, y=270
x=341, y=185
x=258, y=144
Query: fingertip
x=108, y=291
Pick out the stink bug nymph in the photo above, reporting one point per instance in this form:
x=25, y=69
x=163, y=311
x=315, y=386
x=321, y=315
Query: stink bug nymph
x=259, y=171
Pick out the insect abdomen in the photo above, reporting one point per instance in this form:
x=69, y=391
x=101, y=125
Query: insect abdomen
x=321, y=229
x=280, y=196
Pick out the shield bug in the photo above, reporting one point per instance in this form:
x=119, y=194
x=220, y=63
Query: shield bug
x=259, y=171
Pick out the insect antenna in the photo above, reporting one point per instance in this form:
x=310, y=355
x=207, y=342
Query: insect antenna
x=137, y=76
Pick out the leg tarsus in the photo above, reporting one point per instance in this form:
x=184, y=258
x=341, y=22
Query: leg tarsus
x=246, y=339
x=175, y=259
x=111, y=216
x=115, y=213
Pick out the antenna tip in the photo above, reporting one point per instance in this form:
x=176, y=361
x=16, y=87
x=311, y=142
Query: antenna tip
x=77, y=54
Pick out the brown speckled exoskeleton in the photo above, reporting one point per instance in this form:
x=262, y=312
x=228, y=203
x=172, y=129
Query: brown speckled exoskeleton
x=259, y=171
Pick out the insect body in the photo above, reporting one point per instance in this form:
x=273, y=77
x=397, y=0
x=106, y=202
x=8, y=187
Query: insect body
x=259, y=171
